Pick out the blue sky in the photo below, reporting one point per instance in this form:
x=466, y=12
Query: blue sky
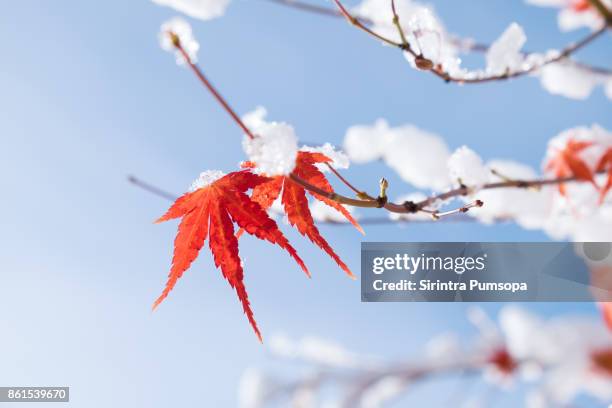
x=88, y=98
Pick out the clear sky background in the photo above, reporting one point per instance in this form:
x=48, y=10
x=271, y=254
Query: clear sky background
x=88, y=98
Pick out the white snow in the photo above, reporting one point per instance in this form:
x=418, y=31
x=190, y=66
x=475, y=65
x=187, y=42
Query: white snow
x=366, y=143
x=201, y=9
x=566, y=345
x=253, y=389
x=466, y=166
x=569, y=80
x=339, y=159
x=504, y=55
x=206, y=178
x=312, y=349
x=419, y=157
x=275, y=146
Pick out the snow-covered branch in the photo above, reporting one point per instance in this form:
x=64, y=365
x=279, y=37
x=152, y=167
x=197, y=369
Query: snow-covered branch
x=557, y=360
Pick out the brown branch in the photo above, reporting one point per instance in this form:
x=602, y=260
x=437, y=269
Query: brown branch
x=605, y=12
x=150, y=188
x=471, y=46
x=464, y=45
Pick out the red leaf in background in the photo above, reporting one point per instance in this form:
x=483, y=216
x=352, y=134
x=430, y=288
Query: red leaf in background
x=295, y=202
x=606, y=163
x=580, y=5
x=607, y=313
x=567, y=163
x=212, y=211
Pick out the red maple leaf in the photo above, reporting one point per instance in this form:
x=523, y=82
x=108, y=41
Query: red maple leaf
x=210, y=212
x=606, y=163
x=580, y=5
x=607, y=313
x=295, y=202
x=567, y=163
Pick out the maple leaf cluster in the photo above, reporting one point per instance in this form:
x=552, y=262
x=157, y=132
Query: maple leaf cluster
x=211, y=212
x=567, y=162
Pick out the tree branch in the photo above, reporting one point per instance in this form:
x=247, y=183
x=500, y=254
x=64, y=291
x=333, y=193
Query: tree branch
x=603, y=10
x=427, y=65
x=364, y=200
x=150, y=188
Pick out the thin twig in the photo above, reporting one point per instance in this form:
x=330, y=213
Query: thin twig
x=360, y=194
x=150, y=188
x=311, y=8
x=360, y=25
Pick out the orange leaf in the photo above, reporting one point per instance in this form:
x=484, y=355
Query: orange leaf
x=295, y=202
x=296, y=207
x=607, y=313
x=567, y=163
x=605, y=162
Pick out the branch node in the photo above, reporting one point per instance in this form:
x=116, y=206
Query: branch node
x=410, y=206
x=423, y=63
x=176, y=41
x=382, y=196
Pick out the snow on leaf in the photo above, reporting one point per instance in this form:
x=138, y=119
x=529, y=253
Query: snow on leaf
x=202, y=9
x=210, y=212
x=205, y=178
x=274, y=147
x=339, y=159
